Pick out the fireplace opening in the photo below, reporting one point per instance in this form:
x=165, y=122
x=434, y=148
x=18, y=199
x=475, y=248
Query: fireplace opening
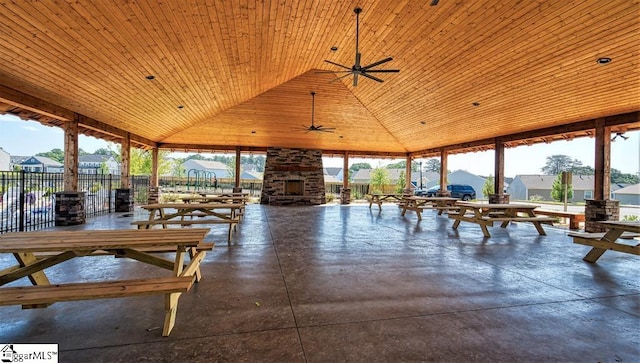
x=294, y=187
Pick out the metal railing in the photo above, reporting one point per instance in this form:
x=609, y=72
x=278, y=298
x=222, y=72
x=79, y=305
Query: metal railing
x=27, y=199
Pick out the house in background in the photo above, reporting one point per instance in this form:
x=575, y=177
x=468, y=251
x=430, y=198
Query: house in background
x=41, y=164
x=335, y=172
x=364, y=176
x=629, y=195
x=5, y=160
x=93, y=164
x=524, y=187
x=15, y=161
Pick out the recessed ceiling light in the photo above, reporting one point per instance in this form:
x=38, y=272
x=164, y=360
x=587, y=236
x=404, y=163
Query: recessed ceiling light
x=476, y=104
x=334, y=48
x=150, y=77
x=423, y=122
x=253, y=131
x=180, y=106
x=604, y=60
x=342, y=137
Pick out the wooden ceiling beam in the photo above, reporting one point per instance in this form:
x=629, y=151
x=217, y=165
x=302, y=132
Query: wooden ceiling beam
x=627, y=120
x=35, y=105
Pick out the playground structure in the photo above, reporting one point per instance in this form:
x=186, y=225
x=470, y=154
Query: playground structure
x=202, y=179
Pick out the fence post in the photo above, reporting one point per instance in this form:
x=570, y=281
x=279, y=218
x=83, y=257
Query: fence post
x=23, y=207
x=109, y=190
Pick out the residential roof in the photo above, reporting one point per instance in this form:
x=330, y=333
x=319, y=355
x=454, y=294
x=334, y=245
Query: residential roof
x=630, y=189
x=42, y=160
x=545, y=182
x=93, y=158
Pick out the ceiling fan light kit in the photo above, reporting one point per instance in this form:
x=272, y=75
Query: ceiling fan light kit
x=357, y=69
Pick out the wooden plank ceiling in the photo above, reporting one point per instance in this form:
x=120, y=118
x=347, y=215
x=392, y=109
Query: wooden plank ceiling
x=240, y=73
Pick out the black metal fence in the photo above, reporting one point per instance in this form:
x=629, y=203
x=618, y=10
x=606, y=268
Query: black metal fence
x=27, y=200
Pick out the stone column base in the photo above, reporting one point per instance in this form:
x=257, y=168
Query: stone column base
x=69, y=208
x=124, y=200
x=345, y=196
x=600, y=210
x=154, y=195
x=443, y=193
x=498, y=198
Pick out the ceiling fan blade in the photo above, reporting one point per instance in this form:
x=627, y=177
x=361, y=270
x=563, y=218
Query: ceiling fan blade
x=325, y=130
x=378, y=63
x=355, y=79
x=341, y=77
x=372, y=77
x=337, y=64
x=382, y=71
x=434, y=2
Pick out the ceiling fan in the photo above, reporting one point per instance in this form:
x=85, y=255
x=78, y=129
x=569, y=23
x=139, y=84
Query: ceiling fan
x=313, y=127
x=357, y=69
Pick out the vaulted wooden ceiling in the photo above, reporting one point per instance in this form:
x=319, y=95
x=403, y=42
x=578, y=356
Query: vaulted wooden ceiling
x=243, y=70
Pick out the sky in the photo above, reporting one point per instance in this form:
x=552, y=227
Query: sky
x=27, y=138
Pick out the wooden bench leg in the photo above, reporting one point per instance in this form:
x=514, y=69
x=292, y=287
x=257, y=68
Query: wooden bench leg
x=594, y=254
x=170, y=309
x=456, y=223
x=574, y=224
x=485, y=230
x=539, y=228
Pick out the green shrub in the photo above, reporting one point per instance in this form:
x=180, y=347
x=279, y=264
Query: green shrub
x=329, y=197
x=536, y=198
x=631, y=218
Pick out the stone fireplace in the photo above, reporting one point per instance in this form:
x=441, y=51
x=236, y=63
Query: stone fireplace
x=293, y=177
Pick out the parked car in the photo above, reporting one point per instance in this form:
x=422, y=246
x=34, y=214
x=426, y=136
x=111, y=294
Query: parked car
x=460, y=191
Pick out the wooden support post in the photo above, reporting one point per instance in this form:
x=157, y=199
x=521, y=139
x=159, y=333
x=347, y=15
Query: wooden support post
x=238, y=187
x=125, y=155
x=71, y=155
x=602, y=182
x=154, y=167
x=443, y=170
x=407, y=183
x=345, y=170
x=499, y=167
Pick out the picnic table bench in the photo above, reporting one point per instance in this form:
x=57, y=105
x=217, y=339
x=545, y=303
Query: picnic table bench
x=575, y=218
x=418, y=204
x=485, y=215
x=379, y=198
x=613, y=239
x=165, y=214
x=133, y=244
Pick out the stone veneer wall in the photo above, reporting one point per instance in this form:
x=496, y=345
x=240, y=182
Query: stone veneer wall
x=293, y=164
x=600, y=210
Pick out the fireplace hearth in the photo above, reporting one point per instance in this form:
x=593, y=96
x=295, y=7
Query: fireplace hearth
x=293, y=177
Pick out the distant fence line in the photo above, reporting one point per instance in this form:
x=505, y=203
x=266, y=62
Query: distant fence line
x=27, y=199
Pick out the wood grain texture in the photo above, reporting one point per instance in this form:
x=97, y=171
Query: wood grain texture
x=243, y=66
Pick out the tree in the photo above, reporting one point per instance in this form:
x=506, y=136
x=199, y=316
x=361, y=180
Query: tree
x=177, y=169
x=400, y=184
x=379, y=178
x=618, y=177
x=556, y=164
x=432, y=165
x=557, y=190
x=54, y=154
x=488, y=187
x=399, y=165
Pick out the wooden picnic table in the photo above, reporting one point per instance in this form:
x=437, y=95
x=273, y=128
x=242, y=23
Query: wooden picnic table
x=36, y=251
x=485, y=214
x=418, y=204
x=379, y=198
x=165, y=214
x=613, y=239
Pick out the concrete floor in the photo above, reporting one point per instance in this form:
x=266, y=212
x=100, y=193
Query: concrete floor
x=346, y=283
